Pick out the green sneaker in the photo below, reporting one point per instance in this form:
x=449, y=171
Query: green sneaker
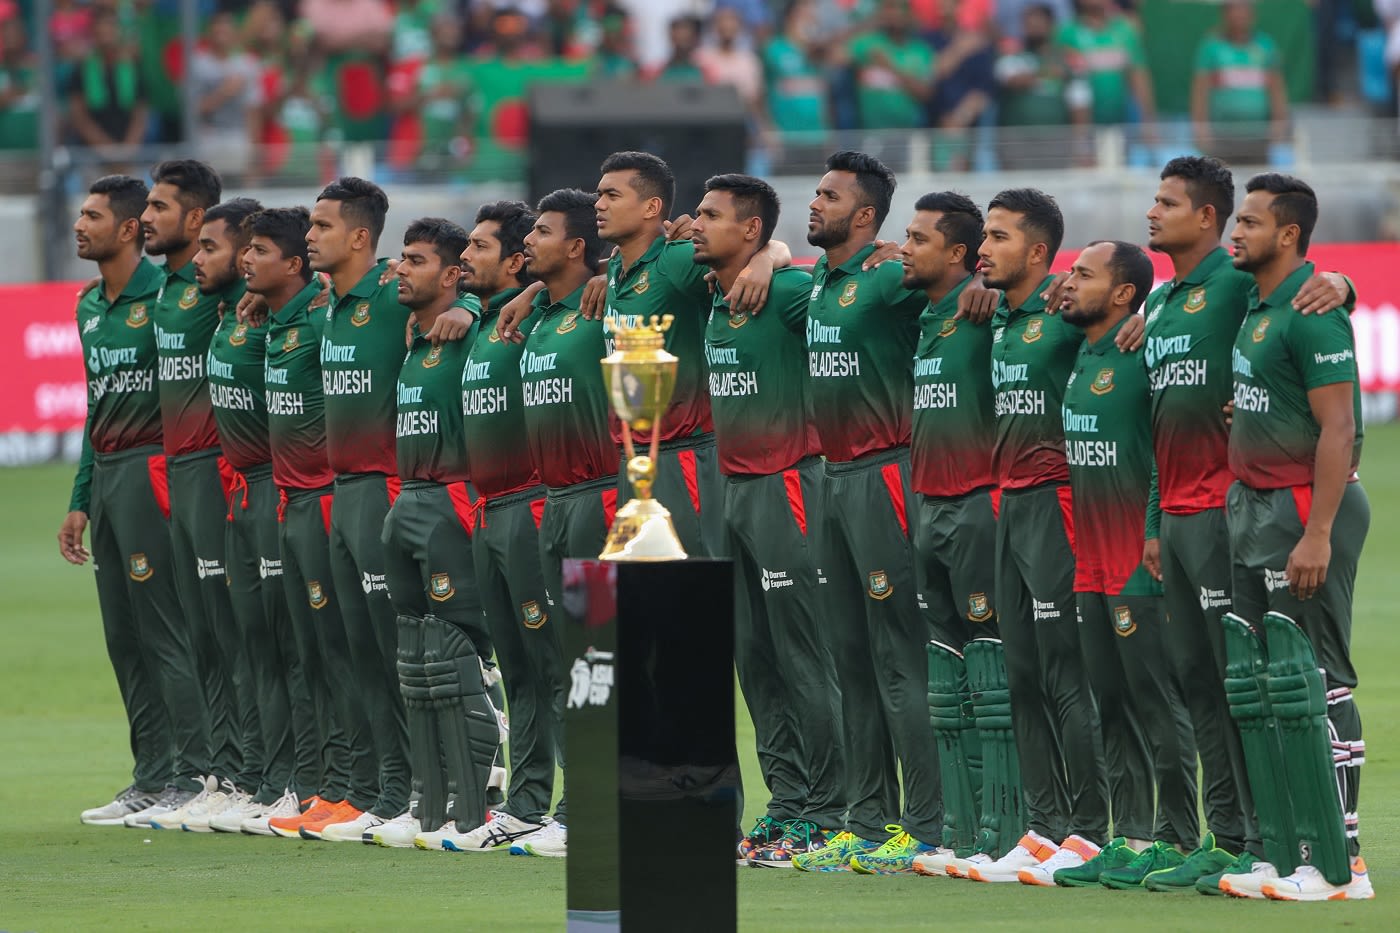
x=835, y=855
x=1155, y=857
x=1210, y=884
x=896, y=855
x=1117, y=854
x=1207, y=860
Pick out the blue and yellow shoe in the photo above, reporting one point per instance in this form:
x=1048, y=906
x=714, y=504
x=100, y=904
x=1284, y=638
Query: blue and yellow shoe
x=836, y=855
x=896, y=855
x=765, y=833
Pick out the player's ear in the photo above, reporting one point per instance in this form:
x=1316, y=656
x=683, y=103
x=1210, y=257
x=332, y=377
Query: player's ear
x=130, y=229
x=1288, y=236
x=577, y=247
x=958, y=255
x=451, y=273
x=515, y=264
x=753, y=228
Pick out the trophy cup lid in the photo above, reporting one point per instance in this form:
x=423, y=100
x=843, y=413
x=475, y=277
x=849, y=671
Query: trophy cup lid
x=648, y=335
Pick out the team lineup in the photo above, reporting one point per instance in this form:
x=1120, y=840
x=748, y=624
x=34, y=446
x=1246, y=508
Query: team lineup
x=1013, y=551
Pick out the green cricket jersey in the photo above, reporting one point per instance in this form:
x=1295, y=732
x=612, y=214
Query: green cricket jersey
x=1108, y=442
x=666, y=280
x=1043, y=103
x=883, y=102
x=563, y=395
x=1105, y=56
x=119, y=355
x=862, y=328
x=797, y=89
x=431, y=435
x=1191, y=328
x=758, y=379
x=1238, y=77
x=1033, y=353
x=1279, y=356
x=954, y=426
x=443, y=117
x=238, y=389
x=493, y=408
x=296, y=405
x=185, y=321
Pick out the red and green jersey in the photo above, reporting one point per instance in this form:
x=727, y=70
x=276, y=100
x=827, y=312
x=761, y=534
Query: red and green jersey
x=1108, y=443
x=758, y=379
x=1104, y=56
x=666, y=280
x=862, y=328
x=238, y=388
x=1237, y=78
x=492, y=407
x=1191, y=328
x=1033, y=353
x=955, y=421
x=119, y=354
x=1280, y=356
x=563, y=395
x=429, y=427
x=185, y=321
x=296, y=405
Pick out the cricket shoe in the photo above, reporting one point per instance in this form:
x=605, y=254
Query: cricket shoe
x=285, y=807
x=1117, y=854
x=172, y=798
x=397, y=833
x=765, y=832
x=289, y=827
x=836, y=855
x=934, y=864
x=959, y=867
x=896, y=856
x=1251, y=883
x=1210, y=884
x=197, y=818
x=128, y=801
x=1308, y=884
x=1206, y=860
x=799, y=838
x=549, y=841
x=1033, y=849
x=175, y=819
x=232, y=817
x=345, y=813
x=1160, y=856
x=1074, y=852
x=499, y=833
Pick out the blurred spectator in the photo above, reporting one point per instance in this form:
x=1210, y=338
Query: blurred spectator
x=755, y=19
x=1010, y=15
x=1389, y=13
x=70, y=27
x=413, y=39
x=296, y=107
x=964, y=82
x=349, y=25
x=894, y=70
x=1037, y=89
x=107, y=107
x=1238, y=101
x=615, y=57
x=567, y=29
x=730, y=61
x=19, y=96
x=227, y=95
x=797, y=95
x=162, y=61
x=510, y=37
x=685, y=42
x=1105, y=48
x=443, y=98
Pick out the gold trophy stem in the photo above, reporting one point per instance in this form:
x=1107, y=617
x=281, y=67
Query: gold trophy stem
x=642, y=529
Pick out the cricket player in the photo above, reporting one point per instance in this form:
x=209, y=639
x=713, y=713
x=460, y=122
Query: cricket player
x=121, y=485
x=772, y=480
x=1297, y=518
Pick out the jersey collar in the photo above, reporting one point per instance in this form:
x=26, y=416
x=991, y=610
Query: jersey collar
x=1284, y=294
x=299, y=303
x=849, y=267
x=493, y=305
x=185, y=273
x=569, y=302
x=1205, y=268
x=617, y=277
x=948, y=304
x=1106, y=343
x=146, y=279
x=1033, y=305
x=368, y=285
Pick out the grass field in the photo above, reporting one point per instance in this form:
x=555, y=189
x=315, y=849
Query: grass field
x=63, y=748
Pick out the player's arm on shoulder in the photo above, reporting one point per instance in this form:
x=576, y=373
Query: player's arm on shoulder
x=792, y=292
x=1325, y=291
x=751, y=287
x=456, y=322
x=515, y=312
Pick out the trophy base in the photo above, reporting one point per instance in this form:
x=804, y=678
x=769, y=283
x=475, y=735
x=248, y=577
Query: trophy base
x=642, y=531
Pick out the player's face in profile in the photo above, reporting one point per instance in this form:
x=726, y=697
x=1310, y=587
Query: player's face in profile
x=421, y=276
x=1255, y=237
x=163, y=221
x=1172, y=223
x=1005, y=252
x=621, y=209
x=1086, y=293
x=925, y=251
x=830, y=212
x=264, y=269
x=328, y=240
x=717, y=232
x=481, y=260
x=216, y=261
x=547, y=246
x=96, y=230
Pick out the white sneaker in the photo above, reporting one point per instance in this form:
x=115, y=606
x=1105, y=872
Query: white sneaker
x=172, y=798
x=1251, y=883
x=549, y=841
x=432, y=842
x=127, y=801
x=354, y=830
x=197, y=817
x=959, y=867
x=398, y=833
x=1074, y=851
x=1031, y=850
x=934, y=864
x=497, y=834
x=175, y=819
x=1307, y=884
x=230, y=818
x=285, y=807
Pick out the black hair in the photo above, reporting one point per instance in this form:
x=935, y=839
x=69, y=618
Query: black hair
x=362, y=204
x=515, y=220
x=753, y=197
x=448, y=239
x=1129, y=265
x=199, y=185
x=1044, y=9
x=580, y=220
x=1294, y=203
x=873, y=178
x=1208, y=181
x=961, y=221
x=233, y=212
x=127, y=198
x=1040, y=216
x=286, y=227
x=653, y=178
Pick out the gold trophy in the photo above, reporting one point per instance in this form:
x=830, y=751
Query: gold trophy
x=640, y=376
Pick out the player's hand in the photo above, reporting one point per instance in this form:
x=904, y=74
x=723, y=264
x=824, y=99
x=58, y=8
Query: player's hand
x=1055, y=293
x=1130, y=335
x=977, y=303
x=70, y=539
x=885, y=251
x=1322, y=293
x=323, y=297
x=750, y=291
x=252, y=310
x=1307, y=565
x=594, y=301
x=451, y=326
x=1152, y=558
x=1229, y=409
x=678, y=229
x=515, y=311
x=88, y=286
x=391, y=272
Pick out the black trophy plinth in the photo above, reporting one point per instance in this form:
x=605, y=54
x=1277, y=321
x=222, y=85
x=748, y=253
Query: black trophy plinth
x=652, y=776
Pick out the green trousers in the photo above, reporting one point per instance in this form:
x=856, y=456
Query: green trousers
x=689, y=484
x=143, y=621
x=955, y=543
x=506, y=554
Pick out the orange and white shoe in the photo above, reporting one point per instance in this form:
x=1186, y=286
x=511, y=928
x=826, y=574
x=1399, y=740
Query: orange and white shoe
x=343, y=812
x=934, y=864
x=1249, y=884
x=1032, y=850
x=1307, y=884
x=288, y=827
x=959, y=867
x=1074, y=851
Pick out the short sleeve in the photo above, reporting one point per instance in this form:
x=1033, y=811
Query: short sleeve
x=1323, y=348
x=792, y=290
x=1268, y=51
x=900, y=300
x=677, y=263
x=1205, y=55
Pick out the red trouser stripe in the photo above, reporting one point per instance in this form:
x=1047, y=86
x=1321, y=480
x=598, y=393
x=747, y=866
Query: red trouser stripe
x=1067, y=511
x=326, y=502
x=537, y=512
x=996, y=502
x=792, y=482
x=692, y=480
x=463, y=505
x=895, y=484
x=394, y=485
x=228, y=476
x=282, y=505
x=1302, y=498
x=159, y=472
x=609, y=498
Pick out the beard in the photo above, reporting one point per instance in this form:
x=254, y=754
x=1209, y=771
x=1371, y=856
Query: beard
x=832, y=233
x=1254, y=261
x=1005, y=278
x=213, y=284
x=1084, y=316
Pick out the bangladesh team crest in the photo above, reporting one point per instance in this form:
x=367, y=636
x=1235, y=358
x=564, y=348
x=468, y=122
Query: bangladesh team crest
x=532, y=615
x=949, y=327
x=848, y=295
x=1123, y=622
x=440, y=587
x=880, y=585
x=433, y=358
x=570, y=322
x=140, y=568
x=643, y=282
x=1195, y=301
x=738, y=319
x=292, y=340
x=189, y=298
x=137, y=316
x=239, y=336
x=360, y=316
x=979, y=608
x=1035, y=329
x=1103, y=382
x=1261, y=329
x=315, y=594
